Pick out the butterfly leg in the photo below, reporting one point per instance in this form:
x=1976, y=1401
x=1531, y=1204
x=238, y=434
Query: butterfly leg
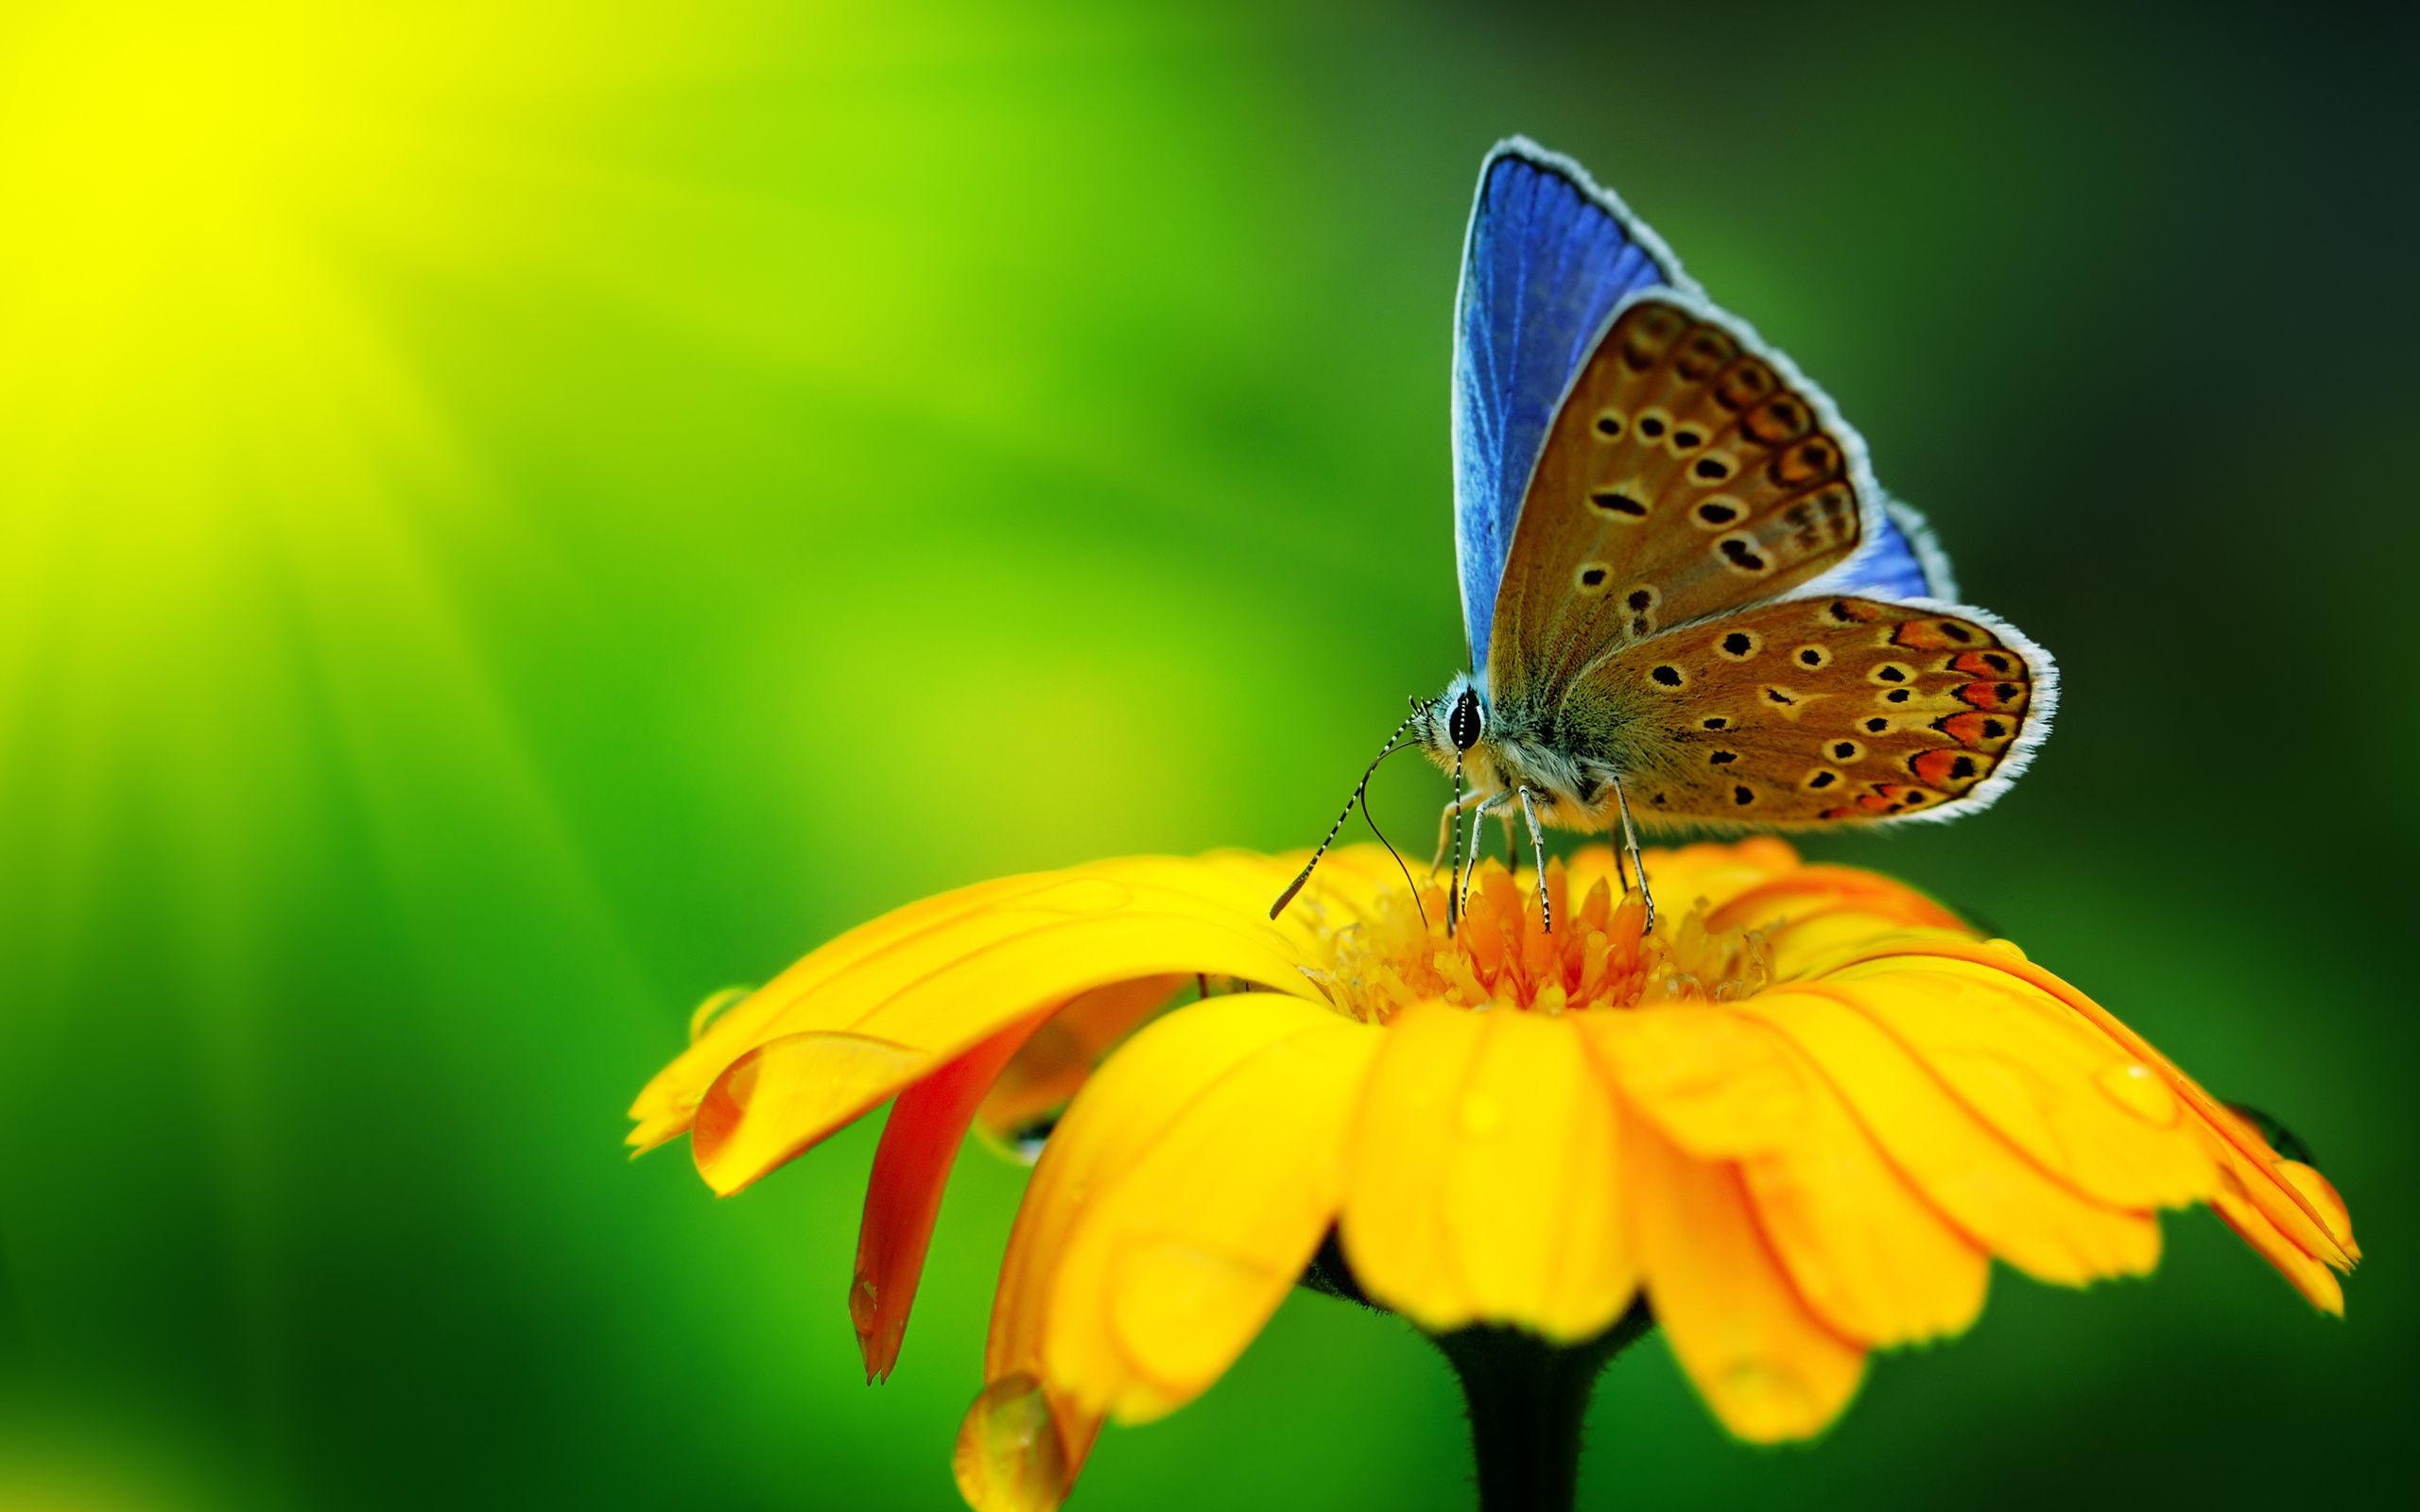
x=1446, y=822
x=1538, y=843
x=1479, y=813
x=1629, y=842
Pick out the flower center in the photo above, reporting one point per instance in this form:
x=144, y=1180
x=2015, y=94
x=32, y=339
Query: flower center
x=1502, y=955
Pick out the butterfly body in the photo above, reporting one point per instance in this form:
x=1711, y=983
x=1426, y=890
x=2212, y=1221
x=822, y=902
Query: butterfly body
x=1684, y=594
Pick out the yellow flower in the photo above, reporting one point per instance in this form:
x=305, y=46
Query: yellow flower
x=1799, y=1118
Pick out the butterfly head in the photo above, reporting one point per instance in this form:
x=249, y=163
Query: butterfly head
x=1450, y=724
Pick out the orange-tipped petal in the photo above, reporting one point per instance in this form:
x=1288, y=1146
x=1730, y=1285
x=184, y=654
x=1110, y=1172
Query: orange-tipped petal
x=1981, y=1182
x=1484, y=1184
x=1229, y=1180
x=920, y=1144
x=2309, y=1274
x=1753, y=1350
x=2076, y=1104
x=2311, y=1225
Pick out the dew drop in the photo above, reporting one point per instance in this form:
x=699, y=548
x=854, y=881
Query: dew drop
x=2138, y=1088
x=1009, y=1454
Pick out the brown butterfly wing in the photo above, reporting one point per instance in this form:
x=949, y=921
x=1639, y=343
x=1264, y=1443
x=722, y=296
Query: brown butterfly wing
x=1688, y=471
x=1820, y=710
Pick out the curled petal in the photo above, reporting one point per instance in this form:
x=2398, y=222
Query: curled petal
x=912, y=1165
x=898, y=1009
x=1157, y=1072
x=1229, y=1182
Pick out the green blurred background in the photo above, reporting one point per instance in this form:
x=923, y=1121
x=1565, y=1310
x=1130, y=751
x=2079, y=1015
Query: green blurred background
x=513, y=518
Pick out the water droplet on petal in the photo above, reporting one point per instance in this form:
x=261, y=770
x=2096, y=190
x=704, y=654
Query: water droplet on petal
x=1009, y=1456
x=2138, y=1088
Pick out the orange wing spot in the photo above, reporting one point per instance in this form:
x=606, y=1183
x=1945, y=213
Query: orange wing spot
x=1979, y=731
x=1816, y=459
x=1744, y=382
x=2000, y=698
x=1778, y=421
x=1937, y=635
x=1987, y=664
x=1946, y=768
x=1847, y=611
x=1706, y=352
x=1877, y=803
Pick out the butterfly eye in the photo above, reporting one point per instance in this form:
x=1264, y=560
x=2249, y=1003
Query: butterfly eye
x=1465, y=723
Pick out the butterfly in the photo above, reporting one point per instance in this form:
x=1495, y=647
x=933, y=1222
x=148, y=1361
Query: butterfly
x=1686, y=600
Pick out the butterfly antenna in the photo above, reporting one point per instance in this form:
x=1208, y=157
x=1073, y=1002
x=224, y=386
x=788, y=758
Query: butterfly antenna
x=1402, y=865
x=1359, y=789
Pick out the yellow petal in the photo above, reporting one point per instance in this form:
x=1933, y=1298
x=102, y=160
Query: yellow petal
x=1980, y=1181
x=2073, y=1101
x=1716, y=1083
x=1873, y=1259
x=780, y=1098
x=1135, y=1089
x=1761, y=1359
x=1484, y=1186
x=1228, y=1182
x=958, y=979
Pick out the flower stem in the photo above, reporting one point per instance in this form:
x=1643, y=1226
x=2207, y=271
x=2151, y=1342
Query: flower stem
x=1529, y=1401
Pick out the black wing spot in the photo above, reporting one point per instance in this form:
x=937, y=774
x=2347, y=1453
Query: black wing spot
x=1823, y=779
x=1718, y=722
x=1592, y=576
x=1743, y=796
x=1739, y=643
x=1650, y=426
x=1876, y=725
x=1608, y=424
x=1685, y=437
x=1717, y=514
x=1779, y=697
x=1642, y=598
x=1889, y=672
x=1962, y=768
x=1744, y=554
x=1841, y=612
x=1896, y=695
x=1668, y=675
x=1613, y=501
x=1712, y=469
x=1994, y=730
x=1956, y=631
x=1722, y=757
x=1846, y=751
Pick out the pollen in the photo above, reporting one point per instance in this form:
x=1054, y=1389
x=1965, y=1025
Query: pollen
x=1501, y=955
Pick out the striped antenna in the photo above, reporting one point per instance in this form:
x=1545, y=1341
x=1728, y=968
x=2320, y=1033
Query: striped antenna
x=1361, y=789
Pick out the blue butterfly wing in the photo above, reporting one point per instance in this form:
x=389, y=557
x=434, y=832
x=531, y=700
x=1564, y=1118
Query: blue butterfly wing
x=1547, y=257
